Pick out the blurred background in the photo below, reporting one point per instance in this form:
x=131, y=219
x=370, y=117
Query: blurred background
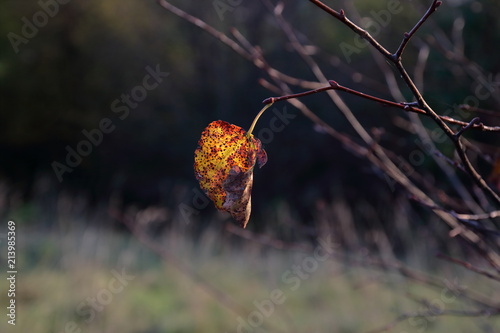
x=69, y=75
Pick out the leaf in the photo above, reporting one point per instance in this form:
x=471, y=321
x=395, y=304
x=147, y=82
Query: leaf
x=223, y=164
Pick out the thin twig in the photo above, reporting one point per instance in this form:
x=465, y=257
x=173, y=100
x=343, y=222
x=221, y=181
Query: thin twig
x=448, y=160
x=350, y=145
x=408, y=35
x=477, y=217
x=469, y=266
x=271, y=100
x=474, y=122
x=340, y=15
x=404, y=106
x=470, y=220
x=418, y=72
x=467, y=107
x=208, y=28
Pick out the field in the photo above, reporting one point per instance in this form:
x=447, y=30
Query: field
x=99, y=280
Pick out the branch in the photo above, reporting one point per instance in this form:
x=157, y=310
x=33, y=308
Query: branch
x=208, y=28
x=448, y=160
x=360, y=31
x=408, y=35
x=271, y=100
x=470, y=220
x=469, y=266
x=478, y=217
x=490, y=113
x=396, y=60
x=349, y=144
x=472, y=123
x=410, y=107
x=472, y=171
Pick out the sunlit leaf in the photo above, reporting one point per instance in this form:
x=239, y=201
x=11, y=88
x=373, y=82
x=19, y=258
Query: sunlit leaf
x=223, y=164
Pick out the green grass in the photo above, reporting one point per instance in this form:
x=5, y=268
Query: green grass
x=57, y=273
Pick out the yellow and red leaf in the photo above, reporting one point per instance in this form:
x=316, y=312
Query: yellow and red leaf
x=223, y=164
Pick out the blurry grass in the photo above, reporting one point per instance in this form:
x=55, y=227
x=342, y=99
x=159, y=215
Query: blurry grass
x=60, y=271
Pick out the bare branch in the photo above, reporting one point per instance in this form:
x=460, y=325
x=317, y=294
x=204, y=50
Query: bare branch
x=348, y=143
x=474, y=122
x=340, y=15
x=271, y=100
x=448, y=160
x=467, y=107
x=408, y=35
x=423, y=56
x=477, y=217
x=208, y=28
x=469, y=267
x=396, y=60
x=410, y=107
x=470, y=220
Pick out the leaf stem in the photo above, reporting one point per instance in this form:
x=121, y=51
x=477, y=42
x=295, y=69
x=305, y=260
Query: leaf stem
x=257, y=118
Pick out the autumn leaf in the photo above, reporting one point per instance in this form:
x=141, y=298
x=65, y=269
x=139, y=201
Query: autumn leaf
x=223, y=164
